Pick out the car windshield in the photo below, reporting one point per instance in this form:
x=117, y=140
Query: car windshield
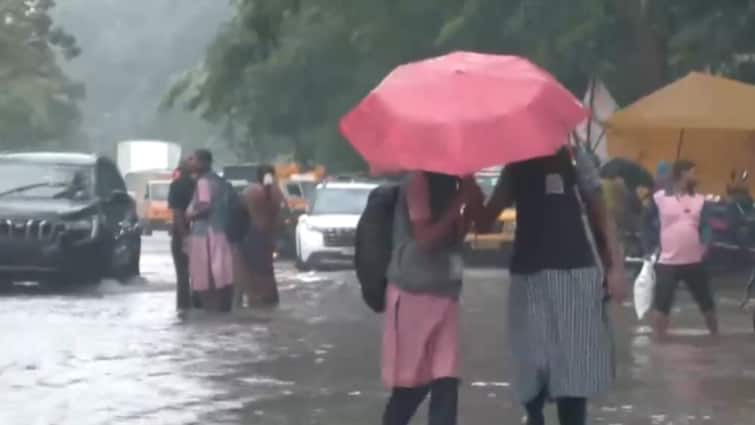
x=301, y=189
x=24, y=179
x=159, y=191
x=294, y=190
x=351, y=201
x=308, y=189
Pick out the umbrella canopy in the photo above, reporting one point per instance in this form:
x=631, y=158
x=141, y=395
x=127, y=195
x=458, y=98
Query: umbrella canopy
x=460, y=113
x=703, y=118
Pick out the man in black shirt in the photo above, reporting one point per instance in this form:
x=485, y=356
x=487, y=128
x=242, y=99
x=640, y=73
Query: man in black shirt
x=179, y=197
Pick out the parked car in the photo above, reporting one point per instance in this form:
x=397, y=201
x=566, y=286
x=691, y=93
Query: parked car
x=65, y=218
x=327, y=232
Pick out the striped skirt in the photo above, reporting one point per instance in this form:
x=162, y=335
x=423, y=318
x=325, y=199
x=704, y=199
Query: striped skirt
x=560, y=334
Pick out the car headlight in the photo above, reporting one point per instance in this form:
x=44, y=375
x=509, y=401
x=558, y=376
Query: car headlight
x=89, y=225
x=310, y=227
x=313, y=228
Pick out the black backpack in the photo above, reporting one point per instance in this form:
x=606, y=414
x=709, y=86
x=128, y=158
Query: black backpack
x=238, y=220
x=374, y=244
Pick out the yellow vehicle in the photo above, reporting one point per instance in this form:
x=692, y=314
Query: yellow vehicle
x=298, y=186
x=157, y=215
x=502, y=235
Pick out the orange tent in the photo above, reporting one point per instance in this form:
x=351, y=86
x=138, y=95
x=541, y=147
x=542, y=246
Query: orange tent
x=703, y=118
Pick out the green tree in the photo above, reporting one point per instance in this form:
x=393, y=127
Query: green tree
x=38, y=103
x=283, y=71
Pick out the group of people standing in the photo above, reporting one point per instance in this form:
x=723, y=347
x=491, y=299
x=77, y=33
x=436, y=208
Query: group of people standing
x=223, y=243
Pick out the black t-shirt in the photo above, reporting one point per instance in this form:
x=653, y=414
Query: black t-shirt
x=550, y=234
x=181, y=193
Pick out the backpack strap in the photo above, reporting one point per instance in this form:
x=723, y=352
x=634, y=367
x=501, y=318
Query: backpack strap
x=594, y=237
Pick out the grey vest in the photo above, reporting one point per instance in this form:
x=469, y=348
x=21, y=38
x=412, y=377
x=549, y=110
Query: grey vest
x=436, y=272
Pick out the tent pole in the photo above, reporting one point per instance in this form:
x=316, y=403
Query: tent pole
x=679, y=145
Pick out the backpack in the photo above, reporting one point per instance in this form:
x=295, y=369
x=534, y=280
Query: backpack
x=237, y=225
x=374, y=245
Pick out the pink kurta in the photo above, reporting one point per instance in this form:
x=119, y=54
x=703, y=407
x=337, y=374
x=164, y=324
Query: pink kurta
x=420, y=339
x=421, y=331
x=210, y=254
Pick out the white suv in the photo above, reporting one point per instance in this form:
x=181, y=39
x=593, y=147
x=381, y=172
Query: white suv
x=328, y=231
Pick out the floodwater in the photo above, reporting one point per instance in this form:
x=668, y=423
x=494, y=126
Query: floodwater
x=118, y=354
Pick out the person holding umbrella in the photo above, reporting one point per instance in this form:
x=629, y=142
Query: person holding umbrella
x=453, y=116
x=421, y=334
x=566, y=263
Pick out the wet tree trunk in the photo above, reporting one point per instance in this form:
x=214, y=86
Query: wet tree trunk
x=647, y=60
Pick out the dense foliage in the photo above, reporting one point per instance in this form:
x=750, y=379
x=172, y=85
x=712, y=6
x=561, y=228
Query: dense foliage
x=281, y=72
x=38, y=103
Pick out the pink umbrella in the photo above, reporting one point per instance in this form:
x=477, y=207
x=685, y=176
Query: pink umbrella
x=460, y=113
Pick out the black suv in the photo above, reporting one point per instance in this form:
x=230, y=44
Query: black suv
x=65, y=218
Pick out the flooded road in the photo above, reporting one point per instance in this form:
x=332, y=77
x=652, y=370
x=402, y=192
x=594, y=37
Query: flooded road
x=117, y=354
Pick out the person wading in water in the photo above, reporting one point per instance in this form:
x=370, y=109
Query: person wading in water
x=680, y=229
x=421, y=327
x=179, y=197
x=561, y=275
x=263, y=202
x=210, y=252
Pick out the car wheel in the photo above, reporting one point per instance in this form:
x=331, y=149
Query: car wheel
x=300, y=264
x=131, y=269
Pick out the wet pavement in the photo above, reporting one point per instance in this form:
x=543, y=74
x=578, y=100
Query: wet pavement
x=117, y=354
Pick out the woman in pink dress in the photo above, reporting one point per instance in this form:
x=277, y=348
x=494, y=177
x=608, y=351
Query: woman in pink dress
x=421, y=329
x=210, y=253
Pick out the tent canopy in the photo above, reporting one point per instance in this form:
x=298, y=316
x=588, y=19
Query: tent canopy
x=697, y=101
x=702, y=118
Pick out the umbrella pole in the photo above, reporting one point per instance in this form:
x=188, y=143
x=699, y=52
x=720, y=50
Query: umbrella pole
x=591, y=104
x=679, y=145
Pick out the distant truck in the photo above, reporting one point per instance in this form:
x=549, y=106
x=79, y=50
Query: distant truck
x=147, y=155
x=149, y=190
x=147, y=168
